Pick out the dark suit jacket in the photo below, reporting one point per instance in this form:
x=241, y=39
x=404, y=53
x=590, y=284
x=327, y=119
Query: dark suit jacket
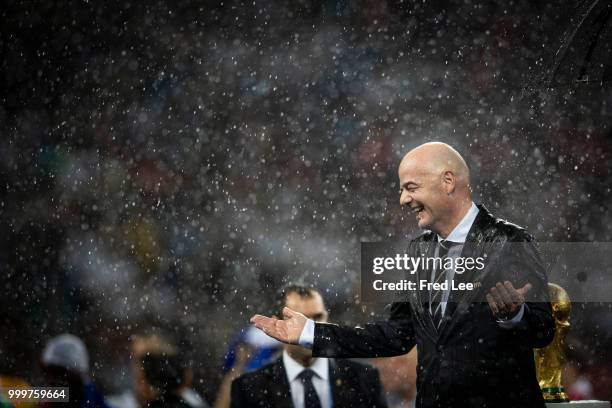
x=352, y=384
x=469, y=361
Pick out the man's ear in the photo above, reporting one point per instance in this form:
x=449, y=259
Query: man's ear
x=449, y=180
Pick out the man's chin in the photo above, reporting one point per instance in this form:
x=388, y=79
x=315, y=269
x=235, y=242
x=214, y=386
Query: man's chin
x=423, y=223
x=299, y=352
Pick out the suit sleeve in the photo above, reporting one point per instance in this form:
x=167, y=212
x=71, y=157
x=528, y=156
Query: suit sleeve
x=392, y=337
x=537, y=325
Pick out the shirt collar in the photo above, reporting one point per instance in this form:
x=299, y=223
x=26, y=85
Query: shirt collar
x=461, y=230
x=320, y=366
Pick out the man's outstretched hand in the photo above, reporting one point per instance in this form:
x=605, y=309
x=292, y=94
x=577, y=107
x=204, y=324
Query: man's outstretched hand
x=505, y=301
x=287, y=330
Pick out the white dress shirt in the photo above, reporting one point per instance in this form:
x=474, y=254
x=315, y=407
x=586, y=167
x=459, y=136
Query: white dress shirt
x=458, y=234
x=320, y=380
x=461, y=230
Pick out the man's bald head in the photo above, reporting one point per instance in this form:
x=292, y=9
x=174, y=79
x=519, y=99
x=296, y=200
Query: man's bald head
x=435, y=185
x=437, y=157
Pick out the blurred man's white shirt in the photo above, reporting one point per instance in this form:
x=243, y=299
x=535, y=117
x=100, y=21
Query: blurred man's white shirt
x=320, y=380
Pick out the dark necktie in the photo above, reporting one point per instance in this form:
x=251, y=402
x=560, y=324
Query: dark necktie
x=439, y=277
x=311, y=399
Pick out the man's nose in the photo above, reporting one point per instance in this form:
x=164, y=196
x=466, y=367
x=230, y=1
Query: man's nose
x=405, y=198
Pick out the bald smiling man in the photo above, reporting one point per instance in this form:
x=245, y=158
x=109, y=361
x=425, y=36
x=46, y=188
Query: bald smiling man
x=475, y=348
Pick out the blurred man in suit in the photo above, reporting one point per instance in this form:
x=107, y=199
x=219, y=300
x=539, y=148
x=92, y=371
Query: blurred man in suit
x=299, y=380
x=475, y=348
x=143, y=391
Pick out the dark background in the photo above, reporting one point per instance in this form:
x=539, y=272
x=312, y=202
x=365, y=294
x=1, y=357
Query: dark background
x=170, y=165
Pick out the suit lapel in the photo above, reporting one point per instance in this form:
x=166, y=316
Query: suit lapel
x=420, y=304
x=341, y=391
x=280, y=390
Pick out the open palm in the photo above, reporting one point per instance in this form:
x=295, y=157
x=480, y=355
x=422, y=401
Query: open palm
x=287, y=330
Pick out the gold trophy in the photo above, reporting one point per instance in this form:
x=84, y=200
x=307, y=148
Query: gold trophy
x=549, y=361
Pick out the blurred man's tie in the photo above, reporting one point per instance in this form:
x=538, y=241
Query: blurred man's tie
x=311, y=399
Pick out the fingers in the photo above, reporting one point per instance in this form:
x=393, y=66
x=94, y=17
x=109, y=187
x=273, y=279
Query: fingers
x=272, y=326
x=515, y=296
x=504, y=299
x=497, y=298
x=523, y=291
x=492, y=304
x=267, y=324
x=255, y=318
x=503, y=293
